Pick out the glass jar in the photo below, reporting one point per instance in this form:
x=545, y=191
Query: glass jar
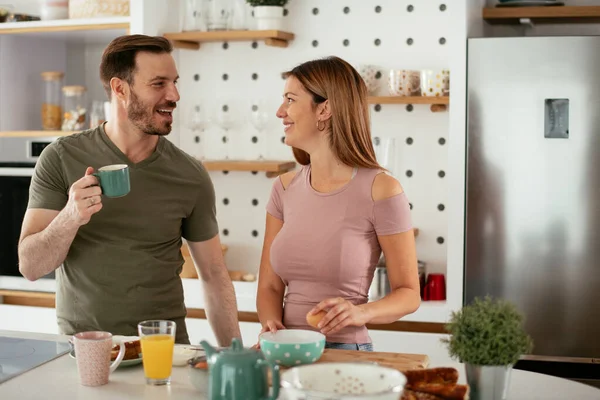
x=75, y=108
x=54, y=9
x=52, y=100
x=97, y=116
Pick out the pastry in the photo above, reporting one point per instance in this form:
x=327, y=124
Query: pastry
x=133, y=349
x=434, y=384
x=432, y=375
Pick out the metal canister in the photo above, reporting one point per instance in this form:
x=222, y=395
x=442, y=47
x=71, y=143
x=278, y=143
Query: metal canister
x=422, y=275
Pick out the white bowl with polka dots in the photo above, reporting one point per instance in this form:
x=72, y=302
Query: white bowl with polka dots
x=290, y=347
x=347, y=381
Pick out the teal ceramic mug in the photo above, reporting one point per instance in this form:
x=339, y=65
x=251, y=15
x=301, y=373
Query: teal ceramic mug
x=114, y=180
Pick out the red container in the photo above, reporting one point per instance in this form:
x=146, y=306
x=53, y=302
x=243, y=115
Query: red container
x=435, y=289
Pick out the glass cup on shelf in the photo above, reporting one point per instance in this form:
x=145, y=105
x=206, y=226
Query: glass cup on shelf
x=239, y=15
x=157, y=338
x=218, y=13
x=259, y=118
x=97, y=116
x=196, y=122
x=194, y=15
x=385, y=152
x=219, y=137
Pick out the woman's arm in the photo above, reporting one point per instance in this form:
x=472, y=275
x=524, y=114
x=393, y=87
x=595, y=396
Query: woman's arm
x=401, y=263
x=271, y=289
x=269, y=299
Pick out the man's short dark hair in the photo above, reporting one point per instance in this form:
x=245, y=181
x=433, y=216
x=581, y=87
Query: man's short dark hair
x=118, y=59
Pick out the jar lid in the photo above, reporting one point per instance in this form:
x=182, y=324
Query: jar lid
x=73, y=89
x=52, y=75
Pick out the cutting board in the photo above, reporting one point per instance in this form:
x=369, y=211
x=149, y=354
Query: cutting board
x=400, y=361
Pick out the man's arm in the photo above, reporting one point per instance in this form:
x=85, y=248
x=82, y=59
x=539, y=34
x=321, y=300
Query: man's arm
x=46, y=235
x=219, y=295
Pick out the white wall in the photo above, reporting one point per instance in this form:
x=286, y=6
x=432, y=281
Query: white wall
x=426, y=24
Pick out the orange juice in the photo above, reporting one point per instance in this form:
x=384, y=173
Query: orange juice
x=157, y=355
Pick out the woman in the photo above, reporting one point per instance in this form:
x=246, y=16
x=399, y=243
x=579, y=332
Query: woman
x=328, y=222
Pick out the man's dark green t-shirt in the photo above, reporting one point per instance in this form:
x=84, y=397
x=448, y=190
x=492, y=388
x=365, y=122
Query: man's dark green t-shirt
x=123, y=265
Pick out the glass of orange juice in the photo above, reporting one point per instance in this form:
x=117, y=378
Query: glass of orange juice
x=157, y=338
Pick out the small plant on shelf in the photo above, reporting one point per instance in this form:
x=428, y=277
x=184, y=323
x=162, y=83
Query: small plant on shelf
x=268, y=13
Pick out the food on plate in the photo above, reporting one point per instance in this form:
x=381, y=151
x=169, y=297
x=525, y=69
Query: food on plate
x=133, y=349
x=434, y=384
x=432, y=375
x=314, y=319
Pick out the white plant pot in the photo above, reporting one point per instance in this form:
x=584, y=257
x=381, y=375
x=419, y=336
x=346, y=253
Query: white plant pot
x=268, y=17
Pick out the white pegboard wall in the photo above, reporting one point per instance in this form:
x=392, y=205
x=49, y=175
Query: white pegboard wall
x=396, y=34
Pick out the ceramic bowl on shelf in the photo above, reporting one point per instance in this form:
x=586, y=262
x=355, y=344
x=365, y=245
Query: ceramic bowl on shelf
x=289, y=347
x=343, y=381
x=370, y=74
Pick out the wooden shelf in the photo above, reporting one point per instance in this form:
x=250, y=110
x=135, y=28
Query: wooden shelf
x=437, y=103
x=192, y=40
x=88, y=30
x=272, y=168
x=550, y=14
x=35, y=133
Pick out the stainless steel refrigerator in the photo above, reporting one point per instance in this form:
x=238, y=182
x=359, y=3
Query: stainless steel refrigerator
x=533, y=192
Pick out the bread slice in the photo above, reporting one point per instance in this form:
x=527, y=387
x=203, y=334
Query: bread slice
x=434, y=384
x=411, y=395
x=432, y=375
x=445, y=391
x=133, y=349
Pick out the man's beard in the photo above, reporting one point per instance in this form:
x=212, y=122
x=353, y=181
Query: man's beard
x=142, y=117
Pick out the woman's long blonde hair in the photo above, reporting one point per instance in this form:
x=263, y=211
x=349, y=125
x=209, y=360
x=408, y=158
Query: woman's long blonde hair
x=336, y=80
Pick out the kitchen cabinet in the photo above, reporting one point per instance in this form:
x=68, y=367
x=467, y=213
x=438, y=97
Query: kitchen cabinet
x=28, y=319
x=43, y=320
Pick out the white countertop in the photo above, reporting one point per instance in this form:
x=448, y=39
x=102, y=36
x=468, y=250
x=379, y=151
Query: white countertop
x=430, y=311
x=58, y=379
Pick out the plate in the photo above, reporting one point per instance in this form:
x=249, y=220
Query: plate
x=531, y=3
x=116, y=340
x=124, y=363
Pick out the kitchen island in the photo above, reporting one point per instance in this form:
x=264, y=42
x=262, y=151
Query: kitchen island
x=58, y=379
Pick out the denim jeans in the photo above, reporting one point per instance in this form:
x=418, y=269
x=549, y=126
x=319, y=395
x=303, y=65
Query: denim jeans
x=349, y=346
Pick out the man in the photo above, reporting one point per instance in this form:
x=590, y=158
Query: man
x=121, y=256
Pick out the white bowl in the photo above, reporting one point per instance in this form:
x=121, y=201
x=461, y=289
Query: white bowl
x=182, y=353
x=347, y=381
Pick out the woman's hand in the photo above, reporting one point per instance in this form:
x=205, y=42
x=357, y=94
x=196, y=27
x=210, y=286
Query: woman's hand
x=270, y=326
x=341, y=314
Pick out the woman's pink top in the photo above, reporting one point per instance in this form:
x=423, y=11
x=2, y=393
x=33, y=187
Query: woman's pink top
x=328, y=245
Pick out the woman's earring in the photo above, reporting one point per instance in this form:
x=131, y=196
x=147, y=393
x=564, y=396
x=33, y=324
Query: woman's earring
x=318, y=127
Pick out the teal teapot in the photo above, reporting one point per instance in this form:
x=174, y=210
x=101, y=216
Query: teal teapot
x=236, y=373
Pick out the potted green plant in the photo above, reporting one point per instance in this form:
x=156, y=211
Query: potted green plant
x=488, y=337
x=268, y=13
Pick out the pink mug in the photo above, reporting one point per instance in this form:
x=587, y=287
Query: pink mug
x=92, y=352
